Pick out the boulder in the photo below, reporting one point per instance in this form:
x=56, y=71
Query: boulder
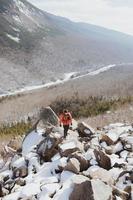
x=47, y=148
x=84, y=163
x=9, y=185
x=124, y=180
x=91, y=190
x=116, y=148
x=107, y=139
x=109, y=150
x=103, y=175
x=21, y=172
x=1, y=191
x=82, y=191
x=66, y=149
x=102, y=159
x=62, y=164
x=101, y=191
x=30, y=142
x=120, y=193
x=114, y=132
x=47, y=128
x=18, y=162
x=32, y=197
x=128, y=189
x=84, y=130
x=15, y=143
x=20, y=181
x=131, y=176
x=73, y=165
x=48, y=116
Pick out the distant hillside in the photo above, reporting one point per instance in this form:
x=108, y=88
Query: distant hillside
x=37, y=47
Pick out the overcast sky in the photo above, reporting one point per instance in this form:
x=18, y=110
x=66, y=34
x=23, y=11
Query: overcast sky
x=113, y=14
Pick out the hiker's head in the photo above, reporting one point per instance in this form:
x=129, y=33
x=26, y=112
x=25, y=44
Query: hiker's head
x=65, y=111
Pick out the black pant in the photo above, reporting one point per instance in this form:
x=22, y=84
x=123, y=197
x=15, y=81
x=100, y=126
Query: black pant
x=66, y=128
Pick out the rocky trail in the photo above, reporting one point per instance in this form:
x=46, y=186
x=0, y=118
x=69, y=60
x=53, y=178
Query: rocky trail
x=87, y=165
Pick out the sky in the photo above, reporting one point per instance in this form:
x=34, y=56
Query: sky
x=112, y=14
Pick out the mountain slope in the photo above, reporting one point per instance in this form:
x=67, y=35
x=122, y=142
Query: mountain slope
x=36, y=47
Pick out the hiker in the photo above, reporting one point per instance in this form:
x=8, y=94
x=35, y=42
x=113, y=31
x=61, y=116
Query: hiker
x=66, y=120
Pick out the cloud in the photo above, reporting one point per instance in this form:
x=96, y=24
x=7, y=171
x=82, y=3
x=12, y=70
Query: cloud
x=113, y=14
x=120, y=3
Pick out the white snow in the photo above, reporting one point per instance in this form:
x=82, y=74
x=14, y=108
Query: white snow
x=87, y=131
x=46, y=181
x=66, y=175
x=118, y=198
x=101, y=70
x=115, y=132
x=1, y=163
x=16, y=29
x=26, y=11
x=130, y=161
x=124, y=154
x=19, y=163
x=115, y=159
x=16, y=18
x=99, y=193
x=56, y=157
x=20, y=5
x=30, y=189
x=13, y=196
x=115, y=172
x=31, y=141
x=118, y=147
x=129, y=139
x=68, y=145
x=67, y=76
x=49, y=189
x=16, y=39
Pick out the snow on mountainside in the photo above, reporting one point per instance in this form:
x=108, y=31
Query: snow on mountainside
x=41, y=47
x=87, y=165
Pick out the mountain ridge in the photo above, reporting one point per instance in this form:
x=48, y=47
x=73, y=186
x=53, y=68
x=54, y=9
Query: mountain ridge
x=38, y=47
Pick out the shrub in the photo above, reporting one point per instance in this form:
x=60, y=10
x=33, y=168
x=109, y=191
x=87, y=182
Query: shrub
x=90, y=106
x=15, y=129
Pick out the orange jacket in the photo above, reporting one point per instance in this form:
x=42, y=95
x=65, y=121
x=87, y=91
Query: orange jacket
x=66, y=119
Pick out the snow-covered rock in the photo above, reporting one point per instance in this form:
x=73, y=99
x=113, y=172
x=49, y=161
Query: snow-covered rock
x=103, y=175
x=85, y=130
x=114, y=131
x=51, y=167
x=47, y=148
x=94, y=190
x=69, y=147
x=102, y=159
x=73, y=165
x=49, y=117
x=84, y=163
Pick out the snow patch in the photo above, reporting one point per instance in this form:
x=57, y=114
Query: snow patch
x=17, y=19
x=69, y=145
x=31, y=141
x=16, y=39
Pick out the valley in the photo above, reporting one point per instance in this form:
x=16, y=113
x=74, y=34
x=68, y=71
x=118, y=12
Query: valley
x=111, y=83
x=37, y=47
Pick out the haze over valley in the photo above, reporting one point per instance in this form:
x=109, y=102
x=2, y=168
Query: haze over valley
x=37, y=47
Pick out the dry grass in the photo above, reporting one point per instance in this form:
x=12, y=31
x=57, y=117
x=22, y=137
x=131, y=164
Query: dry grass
x=11, y=132
x=122, y=114
x=14, y=129
x=113, y=83
x=90, y=106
